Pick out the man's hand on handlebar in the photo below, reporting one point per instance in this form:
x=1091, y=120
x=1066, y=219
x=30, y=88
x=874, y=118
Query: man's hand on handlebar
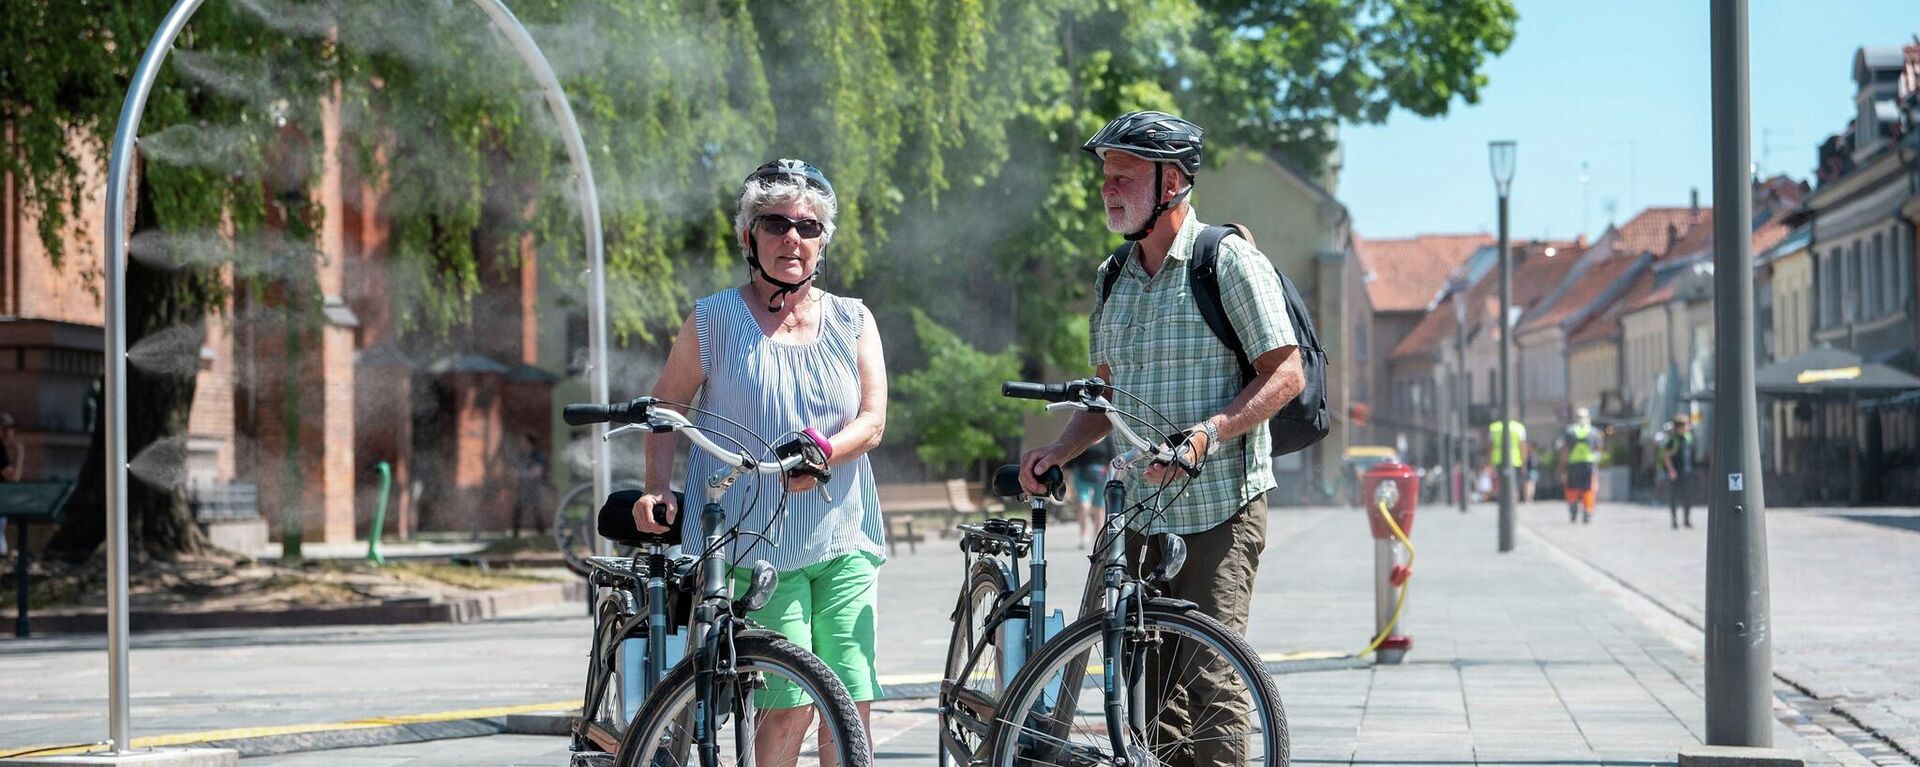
x=1192, y=446
x=1037, y=461
x=654, y=512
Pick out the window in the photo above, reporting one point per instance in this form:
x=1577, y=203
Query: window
x=1882, y=277
x=1830, y=289
x=1903, y=264
x=1850, y=308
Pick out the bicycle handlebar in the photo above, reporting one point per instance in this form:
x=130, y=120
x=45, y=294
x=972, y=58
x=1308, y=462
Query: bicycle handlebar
x=642, y=414
x=1085, y=394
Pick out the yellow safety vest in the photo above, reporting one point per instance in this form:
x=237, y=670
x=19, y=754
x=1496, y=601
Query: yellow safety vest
x=1582, y=450
x=1515, y=456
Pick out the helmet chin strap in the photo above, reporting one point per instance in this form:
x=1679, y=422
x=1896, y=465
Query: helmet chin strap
x=778, y=300
x=1145, y=229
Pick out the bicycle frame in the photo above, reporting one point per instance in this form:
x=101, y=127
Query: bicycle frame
x=1016, y=607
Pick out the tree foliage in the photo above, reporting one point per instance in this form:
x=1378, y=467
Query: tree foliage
x=953, y=407
x=955, y=120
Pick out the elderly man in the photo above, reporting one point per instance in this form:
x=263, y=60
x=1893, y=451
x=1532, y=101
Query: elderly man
x=1149, y=339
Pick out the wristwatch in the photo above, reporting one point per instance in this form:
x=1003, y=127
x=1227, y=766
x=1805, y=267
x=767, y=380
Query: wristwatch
x=1213, y=433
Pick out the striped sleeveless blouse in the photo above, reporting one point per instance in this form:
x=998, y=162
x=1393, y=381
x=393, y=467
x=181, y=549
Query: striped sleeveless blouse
x=772, y=388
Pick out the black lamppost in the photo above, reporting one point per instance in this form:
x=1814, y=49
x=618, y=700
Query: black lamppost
x=1500, y=159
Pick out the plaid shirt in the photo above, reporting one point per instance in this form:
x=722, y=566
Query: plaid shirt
x=1149, y=332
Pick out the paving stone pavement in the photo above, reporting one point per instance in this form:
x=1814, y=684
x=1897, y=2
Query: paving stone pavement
x=1529, y=658
x=1842, y=585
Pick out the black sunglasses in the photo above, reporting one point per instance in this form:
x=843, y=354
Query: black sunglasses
x=777, y=225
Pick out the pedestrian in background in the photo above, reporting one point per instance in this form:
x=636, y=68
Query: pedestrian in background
x=1676, y=457
x=1579, y=452
x=11, y=456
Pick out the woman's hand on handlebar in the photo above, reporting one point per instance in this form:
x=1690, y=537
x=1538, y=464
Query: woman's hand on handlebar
x=654, y=512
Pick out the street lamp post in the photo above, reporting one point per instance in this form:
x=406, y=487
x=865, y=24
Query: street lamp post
x=1500, y=159
x=1463, y=392
x=1739, y=646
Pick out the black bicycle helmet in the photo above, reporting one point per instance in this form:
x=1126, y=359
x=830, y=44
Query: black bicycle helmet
x=797, y=172
x=1153, y=136
x=792, y=170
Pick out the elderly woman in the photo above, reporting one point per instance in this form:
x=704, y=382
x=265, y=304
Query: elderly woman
x=778, y=355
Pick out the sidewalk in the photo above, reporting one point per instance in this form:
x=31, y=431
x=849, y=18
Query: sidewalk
x=1529, y=658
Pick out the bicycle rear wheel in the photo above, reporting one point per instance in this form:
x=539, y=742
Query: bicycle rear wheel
x=832, y=734
x=1195, y=692
x=575, y=520
x=966, y=710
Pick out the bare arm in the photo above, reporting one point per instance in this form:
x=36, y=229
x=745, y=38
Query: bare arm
x=678, y=382
x=863, y=432
x=1278, y=379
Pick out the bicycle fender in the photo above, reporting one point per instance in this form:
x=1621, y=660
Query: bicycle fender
x=1169, y=603
x=769, y=634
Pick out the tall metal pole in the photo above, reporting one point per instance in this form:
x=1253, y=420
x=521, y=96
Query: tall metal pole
x=1739, y=630
x=119, y=165
x=1506, y=375
x=119, y=161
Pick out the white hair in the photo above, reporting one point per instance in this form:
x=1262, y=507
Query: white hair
x=760, y=194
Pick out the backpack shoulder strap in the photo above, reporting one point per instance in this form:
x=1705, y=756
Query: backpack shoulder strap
x=1110, y=271
x=1203, y=278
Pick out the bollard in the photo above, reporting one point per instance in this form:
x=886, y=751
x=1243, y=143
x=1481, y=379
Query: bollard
x=1393, y=492
x=379, y=514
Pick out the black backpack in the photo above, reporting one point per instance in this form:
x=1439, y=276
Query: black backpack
x=1303, y=421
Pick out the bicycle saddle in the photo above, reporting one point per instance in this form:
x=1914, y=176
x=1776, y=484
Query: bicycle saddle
x=616, y=520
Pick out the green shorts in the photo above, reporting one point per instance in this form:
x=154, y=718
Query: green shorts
x=829, y=610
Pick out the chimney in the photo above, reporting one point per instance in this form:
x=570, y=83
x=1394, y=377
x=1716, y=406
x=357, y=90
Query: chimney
x=1695, y=207
x=1673, y=235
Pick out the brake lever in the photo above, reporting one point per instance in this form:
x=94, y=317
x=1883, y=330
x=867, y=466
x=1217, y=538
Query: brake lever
x=619, y=430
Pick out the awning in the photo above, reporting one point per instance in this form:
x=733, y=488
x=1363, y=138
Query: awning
x=1829, y=370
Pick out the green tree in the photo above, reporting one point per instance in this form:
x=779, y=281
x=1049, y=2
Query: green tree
x=952, y=408
x=957, y=121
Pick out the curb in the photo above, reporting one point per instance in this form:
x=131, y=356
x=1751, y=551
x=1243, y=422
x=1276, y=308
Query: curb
x=393, y=611
x=534, y=719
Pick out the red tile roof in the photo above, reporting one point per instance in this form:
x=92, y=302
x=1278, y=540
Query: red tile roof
x=1605, y=326
x=1647, y=232
x=1534, y=275
x=1587, y=288
x=1426, y=337
x=1404, y=275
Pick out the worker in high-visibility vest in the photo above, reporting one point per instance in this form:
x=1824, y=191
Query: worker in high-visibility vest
x=1515, y=452
x=1579, y=453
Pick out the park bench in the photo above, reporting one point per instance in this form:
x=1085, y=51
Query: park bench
x=23, y=503
x=910, y=507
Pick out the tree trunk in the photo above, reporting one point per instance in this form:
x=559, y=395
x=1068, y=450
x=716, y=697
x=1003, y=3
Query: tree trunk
x=159, y=523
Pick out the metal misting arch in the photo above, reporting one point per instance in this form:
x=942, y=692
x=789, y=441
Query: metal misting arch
x=124, y=136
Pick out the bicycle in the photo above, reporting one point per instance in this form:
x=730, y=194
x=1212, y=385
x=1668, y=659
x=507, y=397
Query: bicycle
x=655, y=597
x=1140, y=649
x=573, y=524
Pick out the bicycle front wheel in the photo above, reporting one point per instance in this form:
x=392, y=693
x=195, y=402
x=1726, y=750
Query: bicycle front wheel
x=780, y=707
x=1192, y=692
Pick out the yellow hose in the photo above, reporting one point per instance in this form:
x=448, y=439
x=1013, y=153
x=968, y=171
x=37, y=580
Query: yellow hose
x=1401, y=603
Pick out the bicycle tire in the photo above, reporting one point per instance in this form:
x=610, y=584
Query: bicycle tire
x=984, y=580
x=1085, y=636
x=757, y=652
x=575, y=519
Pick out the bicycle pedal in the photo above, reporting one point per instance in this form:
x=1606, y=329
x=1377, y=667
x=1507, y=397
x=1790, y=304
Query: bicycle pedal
x=590, y=759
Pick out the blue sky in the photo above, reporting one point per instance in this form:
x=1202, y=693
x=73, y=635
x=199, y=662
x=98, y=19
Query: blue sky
x=1623, y=86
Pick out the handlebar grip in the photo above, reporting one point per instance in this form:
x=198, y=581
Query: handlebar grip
x=585, y=413
x=1006, y=481
x=1027, y=390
